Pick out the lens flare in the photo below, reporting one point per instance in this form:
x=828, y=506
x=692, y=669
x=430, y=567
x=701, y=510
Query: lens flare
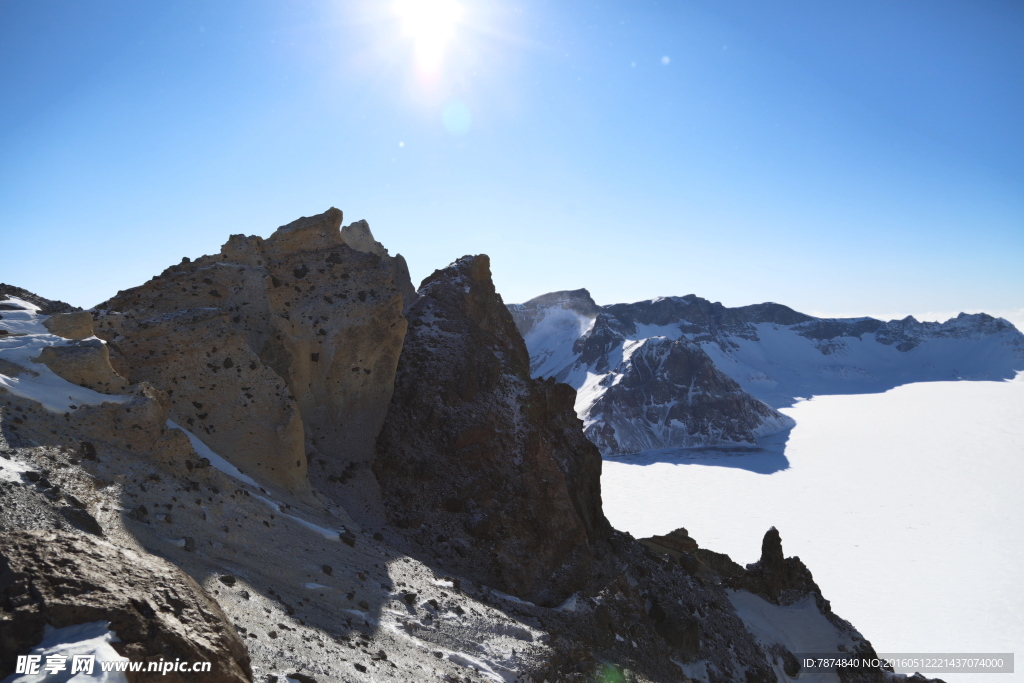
x=431, y=24
x=457, y=118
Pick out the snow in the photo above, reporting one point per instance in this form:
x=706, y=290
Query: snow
x=784, y=365
x=905, y=505
x=551, y=339
x=11, y=470
x=801, y=628
x=216, y=461
x=26, y=340
x=507, y=597
x=220, y=463
x=92, y=638
x=569, y=605
x=778, y=365
x=487, y=667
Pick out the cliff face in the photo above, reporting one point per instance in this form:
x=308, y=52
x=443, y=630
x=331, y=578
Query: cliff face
x=479, y=465
x=669, y=393
x=279, y=353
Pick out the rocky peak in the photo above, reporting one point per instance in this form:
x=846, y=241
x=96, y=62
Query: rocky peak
x=669, y=393
x=309, y=233
x=276, y=352
x=476, y=460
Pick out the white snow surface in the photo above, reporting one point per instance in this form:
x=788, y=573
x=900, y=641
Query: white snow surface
x=905, y=505
x=92, y=638
x=801, y=628
x=11, y=470
x=220, y=463
x=216, y=461
x=26, y=339
x=551, y=338
x=783, y=365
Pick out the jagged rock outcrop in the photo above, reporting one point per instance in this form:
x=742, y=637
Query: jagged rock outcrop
x=155, y=610
x=278, y=353
x=668, y=393
x=778, y=578
x=480, y=466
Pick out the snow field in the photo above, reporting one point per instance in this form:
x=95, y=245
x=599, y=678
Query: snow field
x=905, y=505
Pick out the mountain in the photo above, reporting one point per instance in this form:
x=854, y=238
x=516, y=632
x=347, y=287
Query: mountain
x=284, y=460
x=684, y=372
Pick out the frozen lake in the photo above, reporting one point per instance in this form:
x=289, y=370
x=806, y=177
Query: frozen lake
x=907, y=506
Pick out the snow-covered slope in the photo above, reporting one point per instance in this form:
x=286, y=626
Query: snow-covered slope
x=683, y=371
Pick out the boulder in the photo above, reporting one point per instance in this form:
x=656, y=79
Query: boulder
x=76, y=325
x=85, y=363
x=155, y=610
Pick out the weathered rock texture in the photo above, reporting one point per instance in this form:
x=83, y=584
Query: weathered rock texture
x=669, y=393
x=157, y=611
x=275, y=352
x=85, y=363
x=76, y=325
x=480, y=465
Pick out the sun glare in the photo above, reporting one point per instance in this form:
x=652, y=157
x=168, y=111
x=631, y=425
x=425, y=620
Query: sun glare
x=431, y=24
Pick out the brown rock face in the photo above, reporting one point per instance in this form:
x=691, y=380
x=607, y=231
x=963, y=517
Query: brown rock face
x=76, y=325
x=273, y=350
x=85, y=363
x=157, y=611
x=483, y=467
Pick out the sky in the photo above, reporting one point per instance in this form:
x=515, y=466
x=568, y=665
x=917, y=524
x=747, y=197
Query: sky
x=842, y=158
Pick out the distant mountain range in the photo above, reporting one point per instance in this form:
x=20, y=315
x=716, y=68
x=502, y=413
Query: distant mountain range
x=686, y=372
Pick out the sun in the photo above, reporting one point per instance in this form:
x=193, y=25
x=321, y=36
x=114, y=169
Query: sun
x=431, y=25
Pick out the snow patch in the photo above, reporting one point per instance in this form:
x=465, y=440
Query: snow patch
x=92, y=638
x=230, y=470
x=26, y=339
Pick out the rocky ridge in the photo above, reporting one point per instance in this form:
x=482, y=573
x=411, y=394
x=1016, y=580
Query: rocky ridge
x=338, y=571
x=685, y=372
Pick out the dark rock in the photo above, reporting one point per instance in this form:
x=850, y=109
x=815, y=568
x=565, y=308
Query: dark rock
x=780, y=579
x=672, y=544
x=79, y=518
x=46, y=306
x=157, y=611
x=479, y=451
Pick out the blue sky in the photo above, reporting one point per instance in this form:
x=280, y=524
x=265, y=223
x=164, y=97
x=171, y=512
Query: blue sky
x=843, y=158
